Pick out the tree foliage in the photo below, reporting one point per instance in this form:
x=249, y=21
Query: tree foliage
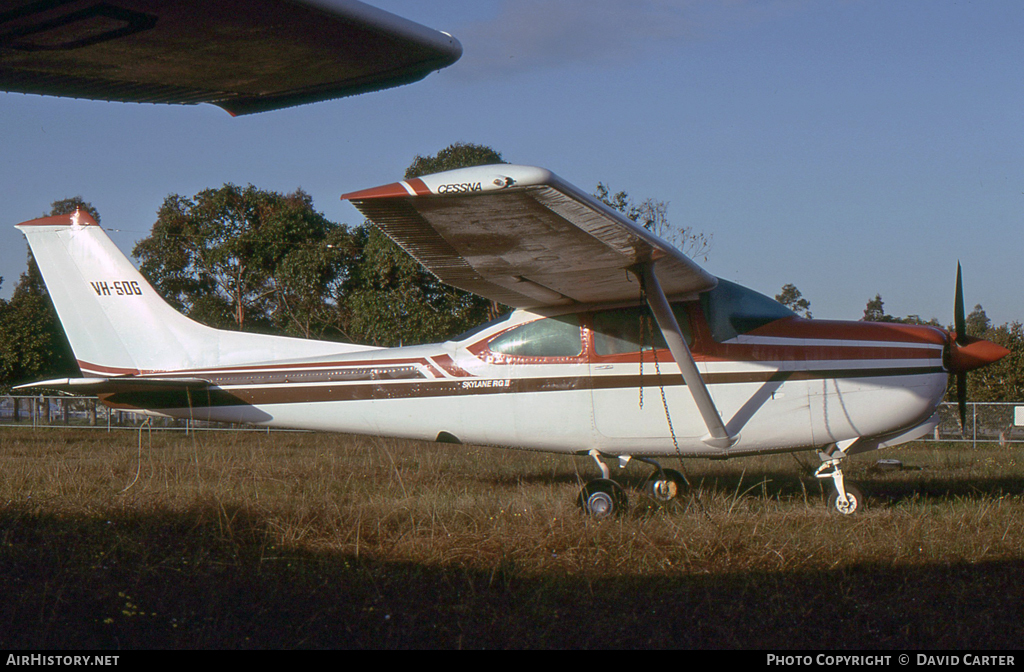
x=1004, y=380
x=244, y=258
x=67, y=206
x=456, y=155
x=390, y=299
x=874, y=311
x=791, y=298
x=653, y=216
x=33, y=345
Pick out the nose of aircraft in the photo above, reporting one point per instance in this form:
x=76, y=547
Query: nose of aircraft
x=972, y=353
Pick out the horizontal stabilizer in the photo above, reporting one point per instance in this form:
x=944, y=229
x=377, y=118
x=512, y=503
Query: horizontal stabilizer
x=117, y=385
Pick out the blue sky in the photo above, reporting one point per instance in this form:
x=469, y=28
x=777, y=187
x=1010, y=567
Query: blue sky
x=850, y=148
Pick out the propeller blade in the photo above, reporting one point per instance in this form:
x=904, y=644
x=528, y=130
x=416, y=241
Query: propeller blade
x=959, y=320
x=961, y=400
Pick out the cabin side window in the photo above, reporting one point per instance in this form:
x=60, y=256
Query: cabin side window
x=548, y=337
x=623, y=330
x=732, y=310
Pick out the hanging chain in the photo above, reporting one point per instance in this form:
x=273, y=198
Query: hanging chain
x=645, y=325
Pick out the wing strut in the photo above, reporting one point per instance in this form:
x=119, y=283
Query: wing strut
x=718, y=436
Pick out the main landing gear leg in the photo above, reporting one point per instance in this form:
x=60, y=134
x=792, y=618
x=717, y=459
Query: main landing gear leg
x=847, y=499
x=603, y=497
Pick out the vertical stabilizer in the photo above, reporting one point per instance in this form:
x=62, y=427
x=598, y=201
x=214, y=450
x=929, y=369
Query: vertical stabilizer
x=118, y=324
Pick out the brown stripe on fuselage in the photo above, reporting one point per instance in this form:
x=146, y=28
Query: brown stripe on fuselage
x=399, y=389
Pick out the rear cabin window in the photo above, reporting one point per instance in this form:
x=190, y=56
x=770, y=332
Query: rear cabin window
x=732, y=310
x=547, y=337
x=626, y=330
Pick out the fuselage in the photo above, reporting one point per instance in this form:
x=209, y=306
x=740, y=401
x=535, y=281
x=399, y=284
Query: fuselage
x=599, y=379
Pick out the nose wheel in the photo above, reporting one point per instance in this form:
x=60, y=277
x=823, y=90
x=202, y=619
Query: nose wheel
x=846, y=498
x=853, y=502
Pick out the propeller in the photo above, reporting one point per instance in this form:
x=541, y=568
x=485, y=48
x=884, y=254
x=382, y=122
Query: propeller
x=960, y=324
x=967, y=352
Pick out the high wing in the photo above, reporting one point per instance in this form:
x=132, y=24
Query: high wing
x=524, y=237
x=242, y=55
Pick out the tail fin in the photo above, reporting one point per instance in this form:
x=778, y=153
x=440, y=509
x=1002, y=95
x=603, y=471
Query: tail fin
x=118, y=324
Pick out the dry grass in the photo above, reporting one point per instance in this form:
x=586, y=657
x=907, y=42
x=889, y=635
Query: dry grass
x=310, y=540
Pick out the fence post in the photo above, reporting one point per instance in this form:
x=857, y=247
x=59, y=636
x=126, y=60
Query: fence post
x=92, y=412
x=974, y=421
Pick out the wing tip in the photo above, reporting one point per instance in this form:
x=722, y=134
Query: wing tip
x=413, y=187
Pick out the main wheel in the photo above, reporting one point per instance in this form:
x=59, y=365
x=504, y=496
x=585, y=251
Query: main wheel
x=855, y=501
x=602, y=498
x=665, y=485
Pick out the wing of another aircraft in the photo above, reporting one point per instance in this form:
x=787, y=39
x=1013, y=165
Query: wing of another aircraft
x=242, y=55
x=524, y=237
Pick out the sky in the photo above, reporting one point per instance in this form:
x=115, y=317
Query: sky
x=851, y=148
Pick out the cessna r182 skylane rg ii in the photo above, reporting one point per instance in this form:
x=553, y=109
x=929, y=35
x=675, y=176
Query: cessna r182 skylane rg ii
x=731, y=372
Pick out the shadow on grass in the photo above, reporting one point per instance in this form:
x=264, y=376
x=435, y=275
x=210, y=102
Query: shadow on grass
x=881, y=488
x=213, y=578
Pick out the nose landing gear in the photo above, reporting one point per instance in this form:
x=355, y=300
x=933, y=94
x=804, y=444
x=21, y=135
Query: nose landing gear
x=846, y=499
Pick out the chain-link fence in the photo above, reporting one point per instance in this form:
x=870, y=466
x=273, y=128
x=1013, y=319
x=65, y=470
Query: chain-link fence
x=985, y=422
x=65, y=411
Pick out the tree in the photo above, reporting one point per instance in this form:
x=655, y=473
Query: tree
x=68, y=206
x=1003, y=380
x=794, y=300
x=456, y=155
x=33, y=345
x=244, y=258
x=390, y=299
x=653, y=216
x=977, y=322
x=874, y=311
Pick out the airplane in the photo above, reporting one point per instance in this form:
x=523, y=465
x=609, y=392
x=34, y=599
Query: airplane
x=245, y=56
x=619, y=346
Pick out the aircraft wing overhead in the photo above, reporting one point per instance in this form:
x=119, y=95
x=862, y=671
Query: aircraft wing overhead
x=524, y=237
x=242, y=55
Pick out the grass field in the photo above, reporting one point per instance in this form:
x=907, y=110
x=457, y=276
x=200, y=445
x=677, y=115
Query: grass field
x=291, y=540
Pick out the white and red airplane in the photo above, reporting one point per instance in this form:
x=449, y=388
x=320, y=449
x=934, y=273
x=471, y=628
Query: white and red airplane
x=575, y=369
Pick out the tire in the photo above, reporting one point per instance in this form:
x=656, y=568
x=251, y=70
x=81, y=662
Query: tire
x=602, y=498
x=664, y=486
x=855, y=497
